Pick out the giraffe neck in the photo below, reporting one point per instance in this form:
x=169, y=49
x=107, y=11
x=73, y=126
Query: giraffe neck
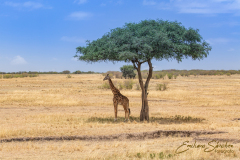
x=113, y=88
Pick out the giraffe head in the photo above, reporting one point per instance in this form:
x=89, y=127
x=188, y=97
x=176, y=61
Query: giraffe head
x=107, y=77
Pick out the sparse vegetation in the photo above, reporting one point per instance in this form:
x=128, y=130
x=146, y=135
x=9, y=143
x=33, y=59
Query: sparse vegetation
x=162, y=87
x=105, y=85
x=173, y=74
x=138, y=87
x=128, y=84
x=7, y=76
x=162, y=120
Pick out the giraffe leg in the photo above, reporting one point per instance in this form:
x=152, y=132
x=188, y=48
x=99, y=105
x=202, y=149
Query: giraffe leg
x=115, y=109
x=125, y=115
x=126, y=112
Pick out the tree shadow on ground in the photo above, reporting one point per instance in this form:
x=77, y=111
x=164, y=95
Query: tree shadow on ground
x=177, y=119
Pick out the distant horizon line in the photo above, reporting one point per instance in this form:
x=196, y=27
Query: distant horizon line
x=4, y=72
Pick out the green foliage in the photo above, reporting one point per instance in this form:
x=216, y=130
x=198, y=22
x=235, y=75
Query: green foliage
x=128, y=71
x=148, y=39
x=69, y=76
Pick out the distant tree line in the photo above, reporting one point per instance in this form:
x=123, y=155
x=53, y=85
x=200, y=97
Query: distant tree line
x=51, y=72
x=173, y=74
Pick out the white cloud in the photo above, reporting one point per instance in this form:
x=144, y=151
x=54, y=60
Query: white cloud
x=80, y=1
x=28, y=4
x=18, y=60
x=79, y=15
x=198, y=6
x=73, y=39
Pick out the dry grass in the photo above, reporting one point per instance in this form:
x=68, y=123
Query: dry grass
x=54, y=105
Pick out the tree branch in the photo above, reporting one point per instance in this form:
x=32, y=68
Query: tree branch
x=134, y=65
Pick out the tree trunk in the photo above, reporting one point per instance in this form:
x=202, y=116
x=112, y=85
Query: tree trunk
x=144, y=114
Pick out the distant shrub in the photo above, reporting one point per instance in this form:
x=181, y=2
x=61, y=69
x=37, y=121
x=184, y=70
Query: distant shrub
x=105, y=85
x=161, y=87
x=228, y=74
x=69, y=76
x=120, y=86
x=66, y=72
x=128, y=84
x=138, y=87
x=175, y=76
x=169, y=76
x=77, y=72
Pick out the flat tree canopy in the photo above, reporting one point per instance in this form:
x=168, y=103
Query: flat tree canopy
x=141, y=42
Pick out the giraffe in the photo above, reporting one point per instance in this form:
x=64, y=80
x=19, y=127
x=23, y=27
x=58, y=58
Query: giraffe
x=118, y=98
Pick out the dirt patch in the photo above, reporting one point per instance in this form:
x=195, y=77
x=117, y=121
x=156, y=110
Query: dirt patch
x=124, y=136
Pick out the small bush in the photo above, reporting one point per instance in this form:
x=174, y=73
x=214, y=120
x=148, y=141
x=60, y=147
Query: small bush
x=105, y=86
x=161, y=87
x=128, y=84
x=139, y=155
x=169, y=76
x=138, y=87
x=69, y=76
x=175, y=76
x=120, y=86
x=228, y=74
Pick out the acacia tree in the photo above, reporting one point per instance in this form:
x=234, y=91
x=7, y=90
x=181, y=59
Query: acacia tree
x=142, y=42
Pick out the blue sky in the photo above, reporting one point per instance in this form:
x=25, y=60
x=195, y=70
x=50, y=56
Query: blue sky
x=42, y=35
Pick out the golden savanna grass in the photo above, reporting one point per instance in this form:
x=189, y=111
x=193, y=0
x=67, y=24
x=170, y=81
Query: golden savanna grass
x=54, y=105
